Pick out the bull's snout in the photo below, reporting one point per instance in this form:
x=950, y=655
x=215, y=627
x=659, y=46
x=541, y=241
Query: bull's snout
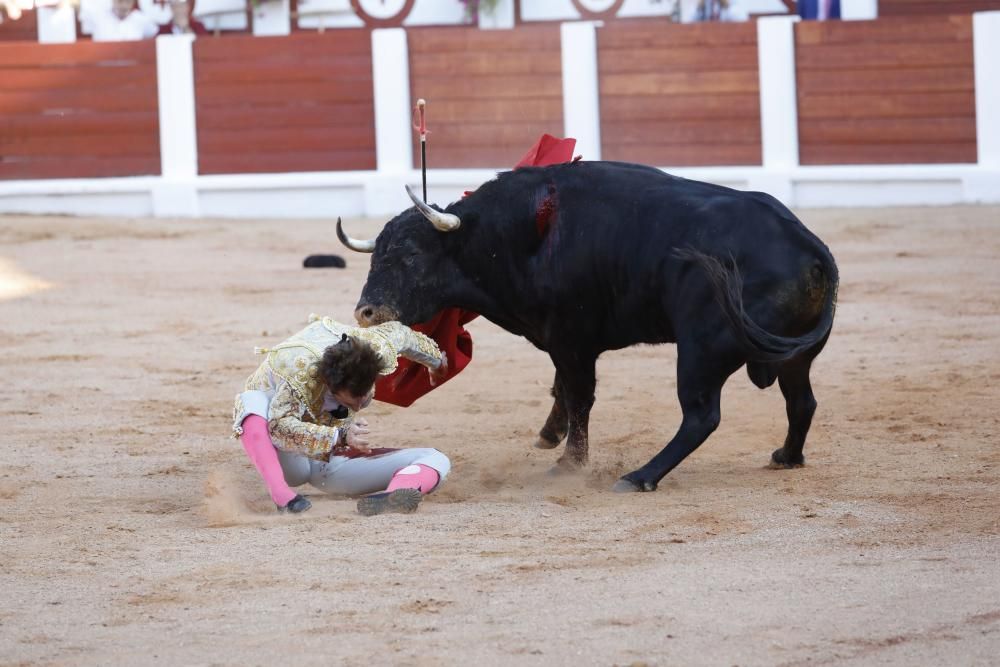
x=364, y=315
x=368, y=315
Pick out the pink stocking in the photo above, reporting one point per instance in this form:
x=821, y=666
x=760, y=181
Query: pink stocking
x=257, y=441
x=417, y=476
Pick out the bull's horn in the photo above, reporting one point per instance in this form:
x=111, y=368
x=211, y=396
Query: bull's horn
x=354, y=244
x=445, y=222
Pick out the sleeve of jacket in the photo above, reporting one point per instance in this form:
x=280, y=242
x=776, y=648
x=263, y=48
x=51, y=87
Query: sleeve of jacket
x=291, y=434
x=412, y=345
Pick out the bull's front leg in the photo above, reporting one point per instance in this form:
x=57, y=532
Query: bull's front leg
x=578, y=378
x=557, y=423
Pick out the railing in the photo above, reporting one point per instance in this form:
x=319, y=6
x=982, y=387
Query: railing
x=774, y=105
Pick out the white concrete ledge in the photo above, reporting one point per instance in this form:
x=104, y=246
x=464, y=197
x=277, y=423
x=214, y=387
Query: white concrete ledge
x=329, y=194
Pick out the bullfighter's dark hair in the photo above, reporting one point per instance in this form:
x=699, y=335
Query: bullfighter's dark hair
x=351, y=365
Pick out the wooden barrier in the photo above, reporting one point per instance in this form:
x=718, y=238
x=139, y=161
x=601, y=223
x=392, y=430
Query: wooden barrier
x=285, y=104
x=893, y=91
x=78, y=110
x=490, y=94
x=679, y=95
x=911, y=7
x=25, y=29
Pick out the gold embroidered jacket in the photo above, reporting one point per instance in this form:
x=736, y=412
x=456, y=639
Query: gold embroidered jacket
x=297, y=402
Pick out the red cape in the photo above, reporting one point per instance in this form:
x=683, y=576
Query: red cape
x=410, y=380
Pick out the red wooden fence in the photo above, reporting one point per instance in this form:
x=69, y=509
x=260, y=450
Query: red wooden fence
x=679, y=95
x=910, y=7
x=285, y=104
x=25, y=29
x=490, y=94
x=878, y=92
x=891, y=91
x=78, y=110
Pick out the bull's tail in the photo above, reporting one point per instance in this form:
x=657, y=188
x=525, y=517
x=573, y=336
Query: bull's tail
x=762, y=345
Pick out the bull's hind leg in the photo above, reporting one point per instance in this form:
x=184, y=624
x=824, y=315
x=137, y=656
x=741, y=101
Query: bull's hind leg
x=702, y=369
x=800, y=405
x=557, y=424
x=577, y=379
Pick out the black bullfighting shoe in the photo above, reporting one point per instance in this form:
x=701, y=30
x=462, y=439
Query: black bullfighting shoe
x=296, y=505
x=400, y=501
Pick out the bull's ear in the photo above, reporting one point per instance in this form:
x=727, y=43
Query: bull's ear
x=445, y=222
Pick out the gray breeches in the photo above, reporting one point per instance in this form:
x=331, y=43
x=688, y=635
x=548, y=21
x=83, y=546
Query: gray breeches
x=354, y=477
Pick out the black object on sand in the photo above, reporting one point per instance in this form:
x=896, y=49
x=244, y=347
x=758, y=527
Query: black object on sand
x=324, y=262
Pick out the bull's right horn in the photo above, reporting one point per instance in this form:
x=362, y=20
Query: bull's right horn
x=354, y=244
x=445, y=222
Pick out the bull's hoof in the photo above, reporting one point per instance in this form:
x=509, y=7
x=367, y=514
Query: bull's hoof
x=545, y=443
x=628, y=485
x=625, y=486
x=780, y=460
x=566, y=466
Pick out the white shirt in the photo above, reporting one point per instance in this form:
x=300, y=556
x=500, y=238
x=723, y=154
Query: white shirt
x=735, y=12
x=106, y=27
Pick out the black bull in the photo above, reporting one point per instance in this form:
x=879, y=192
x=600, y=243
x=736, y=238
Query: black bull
x=585, y=257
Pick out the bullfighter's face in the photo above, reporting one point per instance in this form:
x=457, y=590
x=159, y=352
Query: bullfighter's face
x=353, y=401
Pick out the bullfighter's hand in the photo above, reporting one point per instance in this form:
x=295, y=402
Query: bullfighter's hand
x=356, y=436
x=441, y=373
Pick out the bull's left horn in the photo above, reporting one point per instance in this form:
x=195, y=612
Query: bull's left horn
x=354, y=244
x=445, y=222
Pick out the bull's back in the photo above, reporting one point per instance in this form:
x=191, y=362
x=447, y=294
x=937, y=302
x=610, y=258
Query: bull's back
x=622, y=225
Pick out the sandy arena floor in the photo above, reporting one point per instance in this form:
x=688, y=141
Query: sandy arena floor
x=133, y=530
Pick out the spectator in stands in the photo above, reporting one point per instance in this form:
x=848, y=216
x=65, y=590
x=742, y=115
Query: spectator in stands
x=819, y=10
x=715, y=10
x=181, y=22
x=9, y=9
x=123, y=22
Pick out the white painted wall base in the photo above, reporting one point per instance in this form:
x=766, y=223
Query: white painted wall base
x=113, y=197
x=175, y=199
x=355, y=194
